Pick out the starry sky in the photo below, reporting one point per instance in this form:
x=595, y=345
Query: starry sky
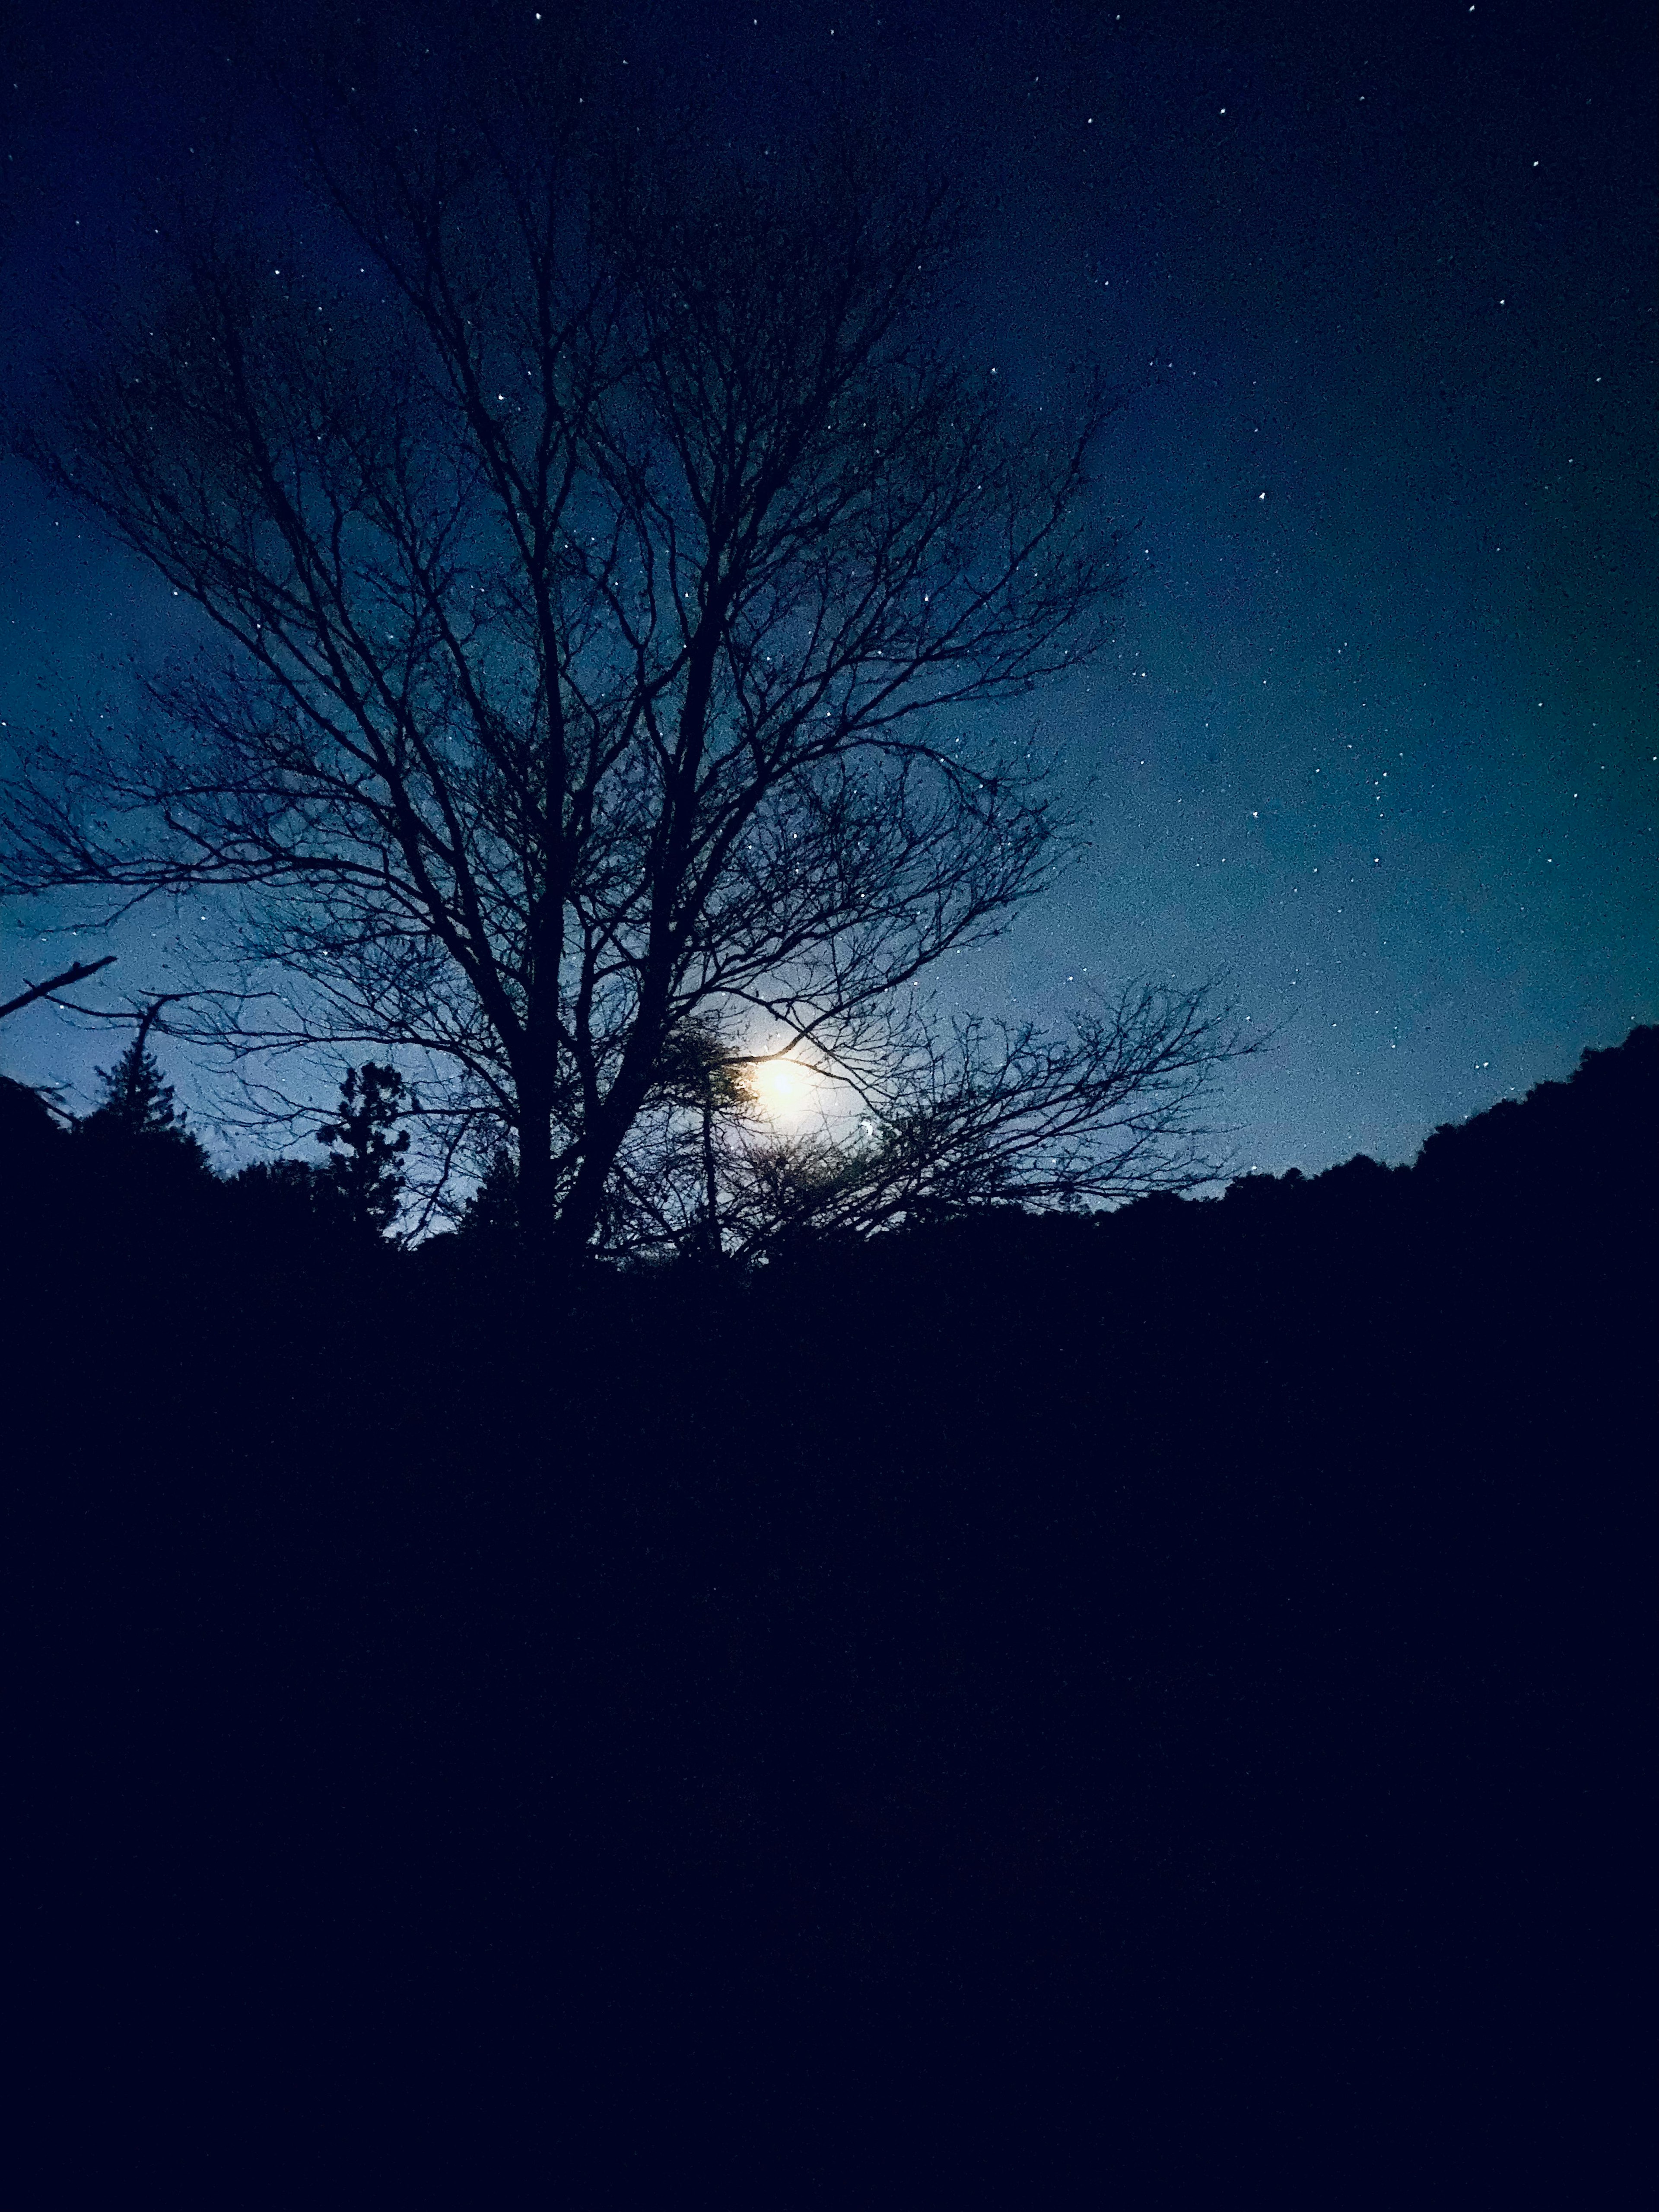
x=1377, y=735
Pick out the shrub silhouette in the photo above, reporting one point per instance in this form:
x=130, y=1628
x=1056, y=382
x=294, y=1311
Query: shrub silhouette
x=27, y=1128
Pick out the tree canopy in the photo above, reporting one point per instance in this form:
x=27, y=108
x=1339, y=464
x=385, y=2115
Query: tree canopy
x=610, y=552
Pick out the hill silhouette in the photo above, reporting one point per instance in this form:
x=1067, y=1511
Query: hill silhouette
x=1187, y=1654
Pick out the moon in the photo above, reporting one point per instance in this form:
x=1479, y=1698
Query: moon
x=779, y=1083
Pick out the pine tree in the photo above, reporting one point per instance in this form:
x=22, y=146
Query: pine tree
x=698, y=1070
x=365, y=1171
x=137, y=1106
x=135, y=1102
x=492, y=1211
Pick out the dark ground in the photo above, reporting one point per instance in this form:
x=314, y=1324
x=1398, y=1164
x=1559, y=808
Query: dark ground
x=1146, y=1710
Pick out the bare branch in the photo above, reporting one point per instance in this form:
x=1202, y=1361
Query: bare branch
x=77, y=974
x=604, y=555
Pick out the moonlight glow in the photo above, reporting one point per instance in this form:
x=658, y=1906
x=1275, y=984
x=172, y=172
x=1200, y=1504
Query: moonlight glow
x=780, y=1085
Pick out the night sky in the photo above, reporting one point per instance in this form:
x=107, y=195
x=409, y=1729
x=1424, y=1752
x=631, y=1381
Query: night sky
x=1376, y=736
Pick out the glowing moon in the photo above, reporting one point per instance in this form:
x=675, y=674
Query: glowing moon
x=778, y=1084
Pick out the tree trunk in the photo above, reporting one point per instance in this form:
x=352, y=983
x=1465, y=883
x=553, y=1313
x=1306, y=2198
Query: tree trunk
x=711, y=1181
x=536, y=1193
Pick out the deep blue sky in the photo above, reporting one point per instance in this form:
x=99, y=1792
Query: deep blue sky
x=1378, y=733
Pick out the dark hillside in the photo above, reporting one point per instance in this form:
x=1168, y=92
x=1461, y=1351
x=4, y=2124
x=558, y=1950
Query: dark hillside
x=1181, y=1664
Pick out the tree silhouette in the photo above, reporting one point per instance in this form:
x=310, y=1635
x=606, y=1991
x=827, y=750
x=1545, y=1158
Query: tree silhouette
x=492, y=1212
x=135, y=1127
x=365, y=1165
x=607, y=565
x=700, y=1074
x=135, y=1102
x=136, y=1107
x=26, y=1128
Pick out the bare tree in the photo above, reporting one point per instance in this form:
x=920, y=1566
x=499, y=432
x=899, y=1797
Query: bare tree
x=987, y=1114
x=608, y=555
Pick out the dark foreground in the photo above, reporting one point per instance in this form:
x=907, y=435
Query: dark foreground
x=1038, y=1712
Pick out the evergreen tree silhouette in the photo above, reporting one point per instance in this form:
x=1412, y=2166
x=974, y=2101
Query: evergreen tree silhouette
x=492, y=1209
x=137, y=1106
x=135, y=1102
x=365, y=1171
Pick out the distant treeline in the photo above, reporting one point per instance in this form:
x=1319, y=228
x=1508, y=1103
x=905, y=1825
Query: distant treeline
x=1568, y=1145
x=1197, y=1643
